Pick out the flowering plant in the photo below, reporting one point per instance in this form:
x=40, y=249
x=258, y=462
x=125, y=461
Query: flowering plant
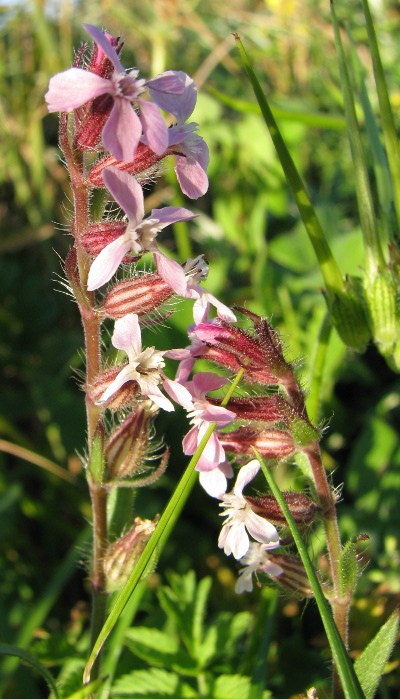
x=115, y=137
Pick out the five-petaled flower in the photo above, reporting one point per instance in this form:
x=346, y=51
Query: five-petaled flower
x=124, y=127
x=144, y=366
x=255, y=561
x=212, y=464
x=139, y=235
x=241, y=518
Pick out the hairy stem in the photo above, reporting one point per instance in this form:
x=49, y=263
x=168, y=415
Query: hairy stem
x=92, y=336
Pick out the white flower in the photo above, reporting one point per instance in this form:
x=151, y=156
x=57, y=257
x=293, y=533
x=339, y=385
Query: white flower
x=255, y=560
x=240, y=517
x=144, y=367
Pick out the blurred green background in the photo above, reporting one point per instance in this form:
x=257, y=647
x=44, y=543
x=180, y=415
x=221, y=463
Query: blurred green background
x=259, y=255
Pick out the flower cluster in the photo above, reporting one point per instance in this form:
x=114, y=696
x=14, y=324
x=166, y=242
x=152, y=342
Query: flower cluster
x=117, y=126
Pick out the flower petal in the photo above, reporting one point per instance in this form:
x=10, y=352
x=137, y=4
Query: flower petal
x=102, y=42
x=154, y=127
x=171, y=214
x=124, y=375
x=178, y=393
x=127, y=335
x=73, y=88
x=122, y=131
x=214, y=482
x=126, y=191
x=191, y=177
x=261, y=530
x=172, y=273
x=245, y=475
x=107, y=262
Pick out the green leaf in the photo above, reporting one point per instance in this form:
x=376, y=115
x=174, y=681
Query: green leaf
x=234, y=687
x=159, y=648
x=88, y=690
x=370, y=665
x=153, y=684
x=200, y=602
x=6, y=649
x=349, y=569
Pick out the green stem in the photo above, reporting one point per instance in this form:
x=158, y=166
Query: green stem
x=91, y=329
x=157, y=540
x=349, y=680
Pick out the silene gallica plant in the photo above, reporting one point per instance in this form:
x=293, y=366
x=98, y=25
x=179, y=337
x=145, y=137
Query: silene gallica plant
x=247, y=412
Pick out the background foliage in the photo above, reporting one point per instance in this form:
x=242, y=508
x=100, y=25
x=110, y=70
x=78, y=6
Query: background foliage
x=259, y=255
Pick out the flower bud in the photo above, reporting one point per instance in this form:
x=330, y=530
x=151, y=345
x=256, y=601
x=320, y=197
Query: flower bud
x=269, y=409
x=140, y=295
x=348, y=316
x=272, y=443
x=381, y=296
x=121, y=557
x=143, y=167
x=302, y=508
x=128, y=444
x=294, y=576
x=259, y=354
x=130, y=454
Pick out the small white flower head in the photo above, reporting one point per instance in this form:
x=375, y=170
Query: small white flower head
x=255, y=561
x=144, y=366
x=241, y=520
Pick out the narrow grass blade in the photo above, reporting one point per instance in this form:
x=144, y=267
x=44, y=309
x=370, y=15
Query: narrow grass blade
x=157, y=540
x=15, y=652
x=350, y=683
x=329, y=268
x=372, y=245
x=388, y=125
x=37, y=459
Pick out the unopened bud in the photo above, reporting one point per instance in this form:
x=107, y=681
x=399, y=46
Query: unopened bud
x=302, y=508
x=348, y=316
x=140, y=295
x=383, y=311
x=259, y=354
x=269, y=409
x=143, y=167
x=128, y=445
x=293, y=576
x=122, y=556
x=272, y=443
x=131, y=454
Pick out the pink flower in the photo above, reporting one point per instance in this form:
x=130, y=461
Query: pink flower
x=144, y=367
x=140, y=233
x=191, y=151
x=184, y=281
x=241, y=518
x=212, y=463
x=124, y=128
